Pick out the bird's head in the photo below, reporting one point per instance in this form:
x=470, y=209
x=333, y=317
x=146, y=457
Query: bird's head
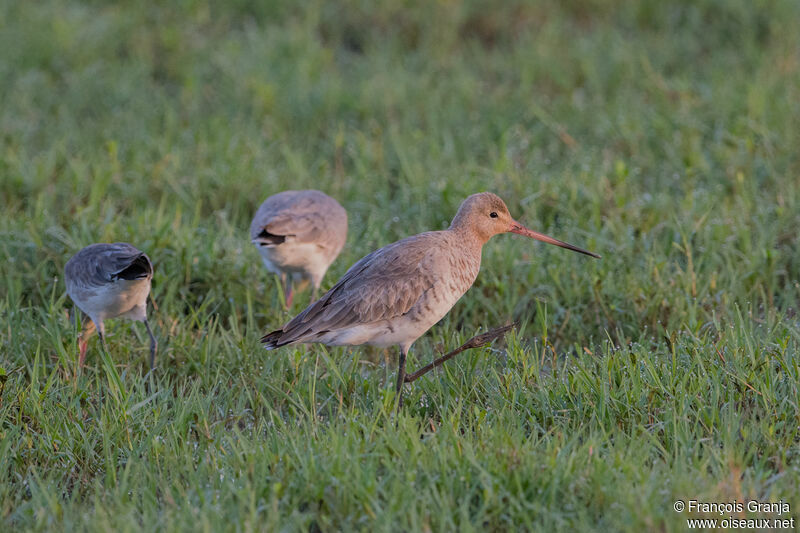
x=485, y=215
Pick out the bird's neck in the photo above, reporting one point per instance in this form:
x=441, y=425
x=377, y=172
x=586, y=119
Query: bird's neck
x=468, y=236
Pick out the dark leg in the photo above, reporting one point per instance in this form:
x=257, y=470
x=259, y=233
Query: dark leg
x=475, y=342
x=102, y=336
x=401, y=377
x=153, y=345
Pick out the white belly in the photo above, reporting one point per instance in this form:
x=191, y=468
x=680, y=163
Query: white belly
x=291, y=258
x=383, y=334
x=126, y=298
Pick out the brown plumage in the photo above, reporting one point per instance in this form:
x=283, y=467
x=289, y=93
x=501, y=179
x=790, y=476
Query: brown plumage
x=299, y=234
x=395, y=294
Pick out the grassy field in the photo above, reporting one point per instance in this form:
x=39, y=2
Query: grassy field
x=662, y=135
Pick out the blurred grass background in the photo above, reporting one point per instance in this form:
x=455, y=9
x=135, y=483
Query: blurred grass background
x=662, y=135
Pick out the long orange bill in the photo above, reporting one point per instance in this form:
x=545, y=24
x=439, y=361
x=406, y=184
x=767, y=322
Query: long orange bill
x=516, y=227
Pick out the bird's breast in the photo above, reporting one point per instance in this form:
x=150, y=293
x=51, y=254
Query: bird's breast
x=451, y=284
x=121, y=297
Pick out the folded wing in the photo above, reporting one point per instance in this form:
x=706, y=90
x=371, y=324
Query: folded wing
x=99, y=264
x=383, y=285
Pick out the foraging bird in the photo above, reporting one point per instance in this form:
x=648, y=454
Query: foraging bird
x=395, y=294
x=108, y=281
x=299, y=234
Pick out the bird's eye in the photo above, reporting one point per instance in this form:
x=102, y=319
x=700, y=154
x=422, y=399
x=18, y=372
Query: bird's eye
x=493, y=214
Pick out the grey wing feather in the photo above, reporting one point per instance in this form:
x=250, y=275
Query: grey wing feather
x=98, y=264
x=384, y=284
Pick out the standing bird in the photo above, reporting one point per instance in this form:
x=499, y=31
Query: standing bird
x=108, y=281
x=395, y=294
x=299, y=234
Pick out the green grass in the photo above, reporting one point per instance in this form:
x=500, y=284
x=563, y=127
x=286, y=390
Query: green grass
x=663, y=135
